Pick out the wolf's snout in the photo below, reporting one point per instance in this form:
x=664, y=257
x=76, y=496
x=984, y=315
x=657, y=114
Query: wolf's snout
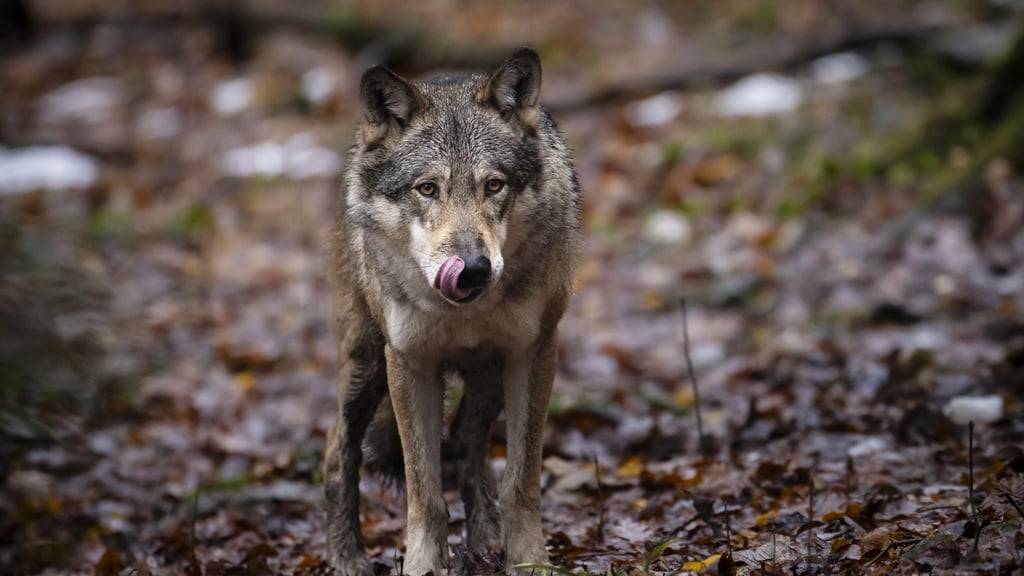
x=460, y=282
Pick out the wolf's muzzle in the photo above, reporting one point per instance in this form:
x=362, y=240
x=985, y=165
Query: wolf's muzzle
x=461, y=282
x=477, y=274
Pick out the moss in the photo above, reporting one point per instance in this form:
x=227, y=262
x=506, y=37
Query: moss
x=191, y=223
x=107, y=224
x=745, y=139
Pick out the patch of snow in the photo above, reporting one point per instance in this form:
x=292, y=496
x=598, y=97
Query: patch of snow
x=761, y=95
x=667, y=227
x=232, y=97
x=980, y=409
x=867, y=447
x=87, y=100
x=707, y=354
x=654, y=111
x=305, y=159
x=319, y=85
x=839, y=68
x=45, y=168
x=297, y=159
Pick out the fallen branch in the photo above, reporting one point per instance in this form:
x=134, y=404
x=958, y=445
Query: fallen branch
x=778, y=54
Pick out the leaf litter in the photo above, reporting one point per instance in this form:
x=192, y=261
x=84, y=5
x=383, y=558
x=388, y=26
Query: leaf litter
x=826, y=349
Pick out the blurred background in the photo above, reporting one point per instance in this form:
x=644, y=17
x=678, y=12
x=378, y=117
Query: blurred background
x=832, y=186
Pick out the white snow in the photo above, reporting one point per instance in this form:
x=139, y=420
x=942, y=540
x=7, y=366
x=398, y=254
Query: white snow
x=86, y=100
x=867, y=447
x=319, y=85
x=298, y=158
x=45, y=168
x=232, y=97
x=838, y=68
x=655, y=111
x=667, y=227
x=979, y=409
x=761, y=95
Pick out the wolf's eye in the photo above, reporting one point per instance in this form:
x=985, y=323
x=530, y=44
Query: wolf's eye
x=427, y=189
x=494, y=185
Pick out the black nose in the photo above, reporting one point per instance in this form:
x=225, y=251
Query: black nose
x=476, y=274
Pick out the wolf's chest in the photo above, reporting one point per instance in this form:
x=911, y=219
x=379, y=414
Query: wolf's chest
x=508, y=327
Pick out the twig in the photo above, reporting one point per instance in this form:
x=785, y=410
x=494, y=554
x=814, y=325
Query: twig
x=728, y=529
x=399, y=562
x=693, y=378
x=810, y=519
x=851, y=478
x=600, y=501
x=970, y=474
x=1010, y=499
x=195, y=569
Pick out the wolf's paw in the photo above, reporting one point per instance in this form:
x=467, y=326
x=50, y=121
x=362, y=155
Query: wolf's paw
x=483, y=538
x=528, y=562
x=352, y=565
x=424, y=571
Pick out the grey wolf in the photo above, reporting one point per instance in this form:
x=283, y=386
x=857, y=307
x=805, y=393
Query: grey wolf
x=454, y=247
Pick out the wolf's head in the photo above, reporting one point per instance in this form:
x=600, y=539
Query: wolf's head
x=439, y=166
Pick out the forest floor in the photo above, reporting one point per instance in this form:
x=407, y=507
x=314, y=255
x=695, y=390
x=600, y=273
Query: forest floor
x=835, y=326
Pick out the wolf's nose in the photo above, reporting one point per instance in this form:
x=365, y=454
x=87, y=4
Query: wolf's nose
x=477, y=273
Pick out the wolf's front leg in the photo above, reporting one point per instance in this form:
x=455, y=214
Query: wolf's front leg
x=417, y=395
x=471, y=432
x=528, y=382
x=361, y=388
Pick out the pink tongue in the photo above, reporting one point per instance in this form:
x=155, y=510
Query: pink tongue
x=447, y=279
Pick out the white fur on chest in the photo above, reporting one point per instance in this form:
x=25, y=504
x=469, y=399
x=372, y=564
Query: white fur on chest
x=447, y=330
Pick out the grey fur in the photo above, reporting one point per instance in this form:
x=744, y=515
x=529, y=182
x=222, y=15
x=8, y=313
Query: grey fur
x=398, y=336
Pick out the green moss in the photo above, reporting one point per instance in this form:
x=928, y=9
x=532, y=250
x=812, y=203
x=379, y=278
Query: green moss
x=191, y=223
x=672, y=152
x=107, y=224
x=744, y=139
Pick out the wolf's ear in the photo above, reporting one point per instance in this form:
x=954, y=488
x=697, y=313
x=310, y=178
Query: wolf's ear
x=514, y=88
x=389, y=102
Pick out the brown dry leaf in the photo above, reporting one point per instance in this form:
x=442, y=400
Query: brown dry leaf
x=683, y=398
x=109, y=564
x=700, y=565
x=631, y=468
x=766, y=517
x=245, y=381
x=716, y=169
x=840, y=543
x=782, y=551
x=673, y=479
x=876, y=540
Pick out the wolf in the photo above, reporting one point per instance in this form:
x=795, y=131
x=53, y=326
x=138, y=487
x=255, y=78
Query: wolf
x=458, y=230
